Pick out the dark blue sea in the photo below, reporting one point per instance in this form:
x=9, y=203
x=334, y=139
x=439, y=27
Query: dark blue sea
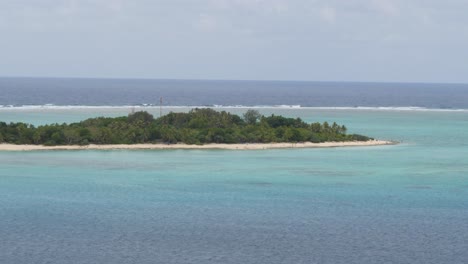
x=122, y=92
x=405, y=203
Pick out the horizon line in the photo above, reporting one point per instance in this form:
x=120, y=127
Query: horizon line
x=230, y=80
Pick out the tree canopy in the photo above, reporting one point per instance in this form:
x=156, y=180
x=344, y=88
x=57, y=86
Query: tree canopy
x=199, y=126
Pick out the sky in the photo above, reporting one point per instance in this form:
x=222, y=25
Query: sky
x=318, y=40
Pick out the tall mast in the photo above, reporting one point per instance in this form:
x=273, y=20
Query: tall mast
x=160, y=106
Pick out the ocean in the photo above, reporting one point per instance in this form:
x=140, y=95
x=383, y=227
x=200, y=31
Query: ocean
x=21, y=92
x=406, y=203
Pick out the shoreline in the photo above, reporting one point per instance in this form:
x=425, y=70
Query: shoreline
x=246, y=146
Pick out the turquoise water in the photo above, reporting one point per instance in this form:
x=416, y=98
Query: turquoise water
x=389, y=204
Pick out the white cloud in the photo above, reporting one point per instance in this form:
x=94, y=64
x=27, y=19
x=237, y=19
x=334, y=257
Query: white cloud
x=115, y=5
x=328, y=14
x=271, y=6
x=387, y=7
x=206, y=23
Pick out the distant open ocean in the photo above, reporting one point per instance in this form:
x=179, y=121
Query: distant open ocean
x=406, y=203
x=49, y=92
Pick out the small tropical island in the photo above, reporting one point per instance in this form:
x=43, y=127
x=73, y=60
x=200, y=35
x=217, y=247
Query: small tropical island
x=202, y=128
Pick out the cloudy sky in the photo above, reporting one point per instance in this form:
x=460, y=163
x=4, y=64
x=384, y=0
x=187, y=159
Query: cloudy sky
x=333, y=40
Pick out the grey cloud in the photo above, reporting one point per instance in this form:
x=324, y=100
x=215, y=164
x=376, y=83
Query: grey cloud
x=366, y=40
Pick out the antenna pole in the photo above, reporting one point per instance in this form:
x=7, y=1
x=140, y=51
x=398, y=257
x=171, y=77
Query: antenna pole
x=160, y=106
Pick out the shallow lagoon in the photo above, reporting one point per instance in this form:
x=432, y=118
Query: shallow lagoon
x=398, y=204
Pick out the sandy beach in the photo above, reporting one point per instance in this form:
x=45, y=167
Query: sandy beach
x=253, y=146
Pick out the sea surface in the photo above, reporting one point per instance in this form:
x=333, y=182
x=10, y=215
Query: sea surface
x=406, y=203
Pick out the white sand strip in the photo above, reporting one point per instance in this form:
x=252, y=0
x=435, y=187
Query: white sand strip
x=252, y=146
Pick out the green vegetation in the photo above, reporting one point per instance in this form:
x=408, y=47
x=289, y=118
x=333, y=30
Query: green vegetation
x=199, y=126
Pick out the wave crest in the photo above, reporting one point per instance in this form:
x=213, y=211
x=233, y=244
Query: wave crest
x=152, y=106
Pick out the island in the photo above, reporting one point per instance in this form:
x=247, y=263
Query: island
x=200, y=128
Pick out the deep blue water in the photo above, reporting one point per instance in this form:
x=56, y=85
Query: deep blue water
x=115, y=92
x=406, y=203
